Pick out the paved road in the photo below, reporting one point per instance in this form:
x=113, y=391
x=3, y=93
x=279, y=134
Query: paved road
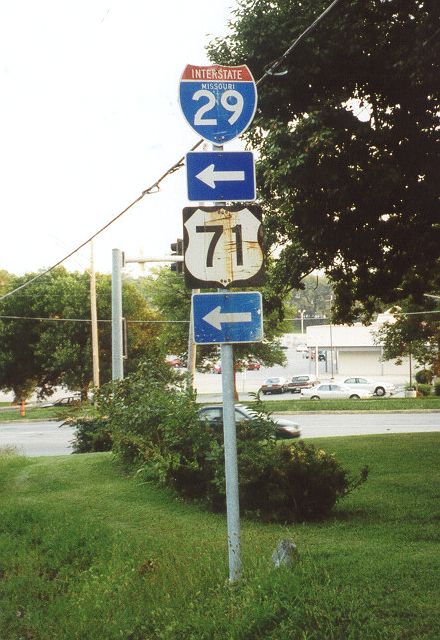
x=37, y=438
x=356, y=424
x=50, y=439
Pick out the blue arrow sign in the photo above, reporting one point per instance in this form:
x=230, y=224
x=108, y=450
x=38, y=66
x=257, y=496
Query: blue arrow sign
x=227, y=317
x=218, y=102
x=221, y=176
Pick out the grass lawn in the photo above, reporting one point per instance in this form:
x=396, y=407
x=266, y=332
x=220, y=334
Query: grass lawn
x=89, y=553
x=374, y=404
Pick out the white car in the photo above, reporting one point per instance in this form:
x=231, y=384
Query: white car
x=302, y=348
x=375, y=386
x=336, y=391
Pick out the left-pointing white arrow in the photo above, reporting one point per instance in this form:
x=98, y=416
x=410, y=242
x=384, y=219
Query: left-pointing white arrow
x=210, y=176
x=216, y=317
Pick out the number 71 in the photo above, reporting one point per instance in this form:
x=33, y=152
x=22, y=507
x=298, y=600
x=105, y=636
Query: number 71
x=217, y=230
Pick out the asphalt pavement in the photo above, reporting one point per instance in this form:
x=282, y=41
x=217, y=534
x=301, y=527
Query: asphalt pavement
x=50, y=438
x=37, y=438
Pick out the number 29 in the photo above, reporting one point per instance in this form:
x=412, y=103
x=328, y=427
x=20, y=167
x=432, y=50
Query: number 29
x=235, y=107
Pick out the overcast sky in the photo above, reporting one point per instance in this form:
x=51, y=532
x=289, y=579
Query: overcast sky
x=89, y=119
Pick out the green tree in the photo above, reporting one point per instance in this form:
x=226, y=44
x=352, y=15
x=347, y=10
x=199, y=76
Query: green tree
x=39, y=354
x=415, y=333
x=348, y=142
x=4, y=281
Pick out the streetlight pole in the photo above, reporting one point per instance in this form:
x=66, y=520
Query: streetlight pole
x=117, y=333
x=331, y=340
x=94, y=319
x=302, y=312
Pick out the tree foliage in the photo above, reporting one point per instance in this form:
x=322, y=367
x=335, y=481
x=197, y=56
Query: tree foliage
x=348, y=142
x=47, y=339
x=415, y=333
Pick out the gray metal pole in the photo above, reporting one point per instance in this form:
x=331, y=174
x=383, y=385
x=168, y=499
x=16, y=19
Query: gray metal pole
x=231, y=465
x=230, y=444
x=94, y=319
x=117, y=348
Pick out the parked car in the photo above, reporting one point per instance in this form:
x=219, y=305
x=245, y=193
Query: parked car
x=253, y=365
x=213, y=414
x=322, y=356
x=302, y=348
x=335, y=391
x=240, y=365
x=305, y=381
x=377, y=387
x=274, y=385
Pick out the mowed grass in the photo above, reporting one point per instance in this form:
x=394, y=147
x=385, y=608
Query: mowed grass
x=284, y=403
x=89, y=553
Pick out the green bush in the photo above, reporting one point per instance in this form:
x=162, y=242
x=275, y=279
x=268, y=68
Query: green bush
x=424, y=389
x=437, y=389
x=294, y=482
x=91, y=434
x=155, y=429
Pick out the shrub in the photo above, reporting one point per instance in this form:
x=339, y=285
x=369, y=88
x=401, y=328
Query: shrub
x=92, y=434
x=155, y=429
x=437, y=389
x=424, y=389
x=295, y=482
x=151, y=418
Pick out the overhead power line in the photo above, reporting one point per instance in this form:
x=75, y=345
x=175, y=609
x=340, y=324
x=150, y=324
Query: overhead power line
x=155, y=187
x=40, y=319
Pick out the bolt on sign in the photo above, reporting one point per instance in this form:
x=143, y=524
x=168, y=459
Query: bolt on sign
x=223, y=246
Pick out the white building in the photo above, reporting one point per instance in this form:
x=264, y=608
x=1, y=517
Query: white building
x=355, y=349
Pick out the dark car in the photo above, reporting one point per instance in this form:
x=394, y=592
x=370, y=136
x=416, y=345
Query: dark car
x=69, y=401
x=213, y=414
x=322, y=356
x=305, y=381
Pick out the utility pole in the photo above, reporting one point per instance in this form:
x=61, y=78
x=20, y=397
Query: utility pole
x=94, y=319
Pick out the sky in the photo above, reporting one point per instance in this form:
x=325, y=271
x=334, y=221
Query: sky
x=90, y=118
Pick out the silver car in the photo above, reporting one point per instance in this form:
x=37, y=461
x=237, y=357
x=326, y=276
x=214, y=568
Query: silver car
x=376, y=387
x=334, y=390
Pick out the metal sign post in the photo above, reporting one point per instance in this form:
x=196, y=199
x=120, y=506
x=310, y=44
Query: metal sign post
x=231, y=464
x=227, y=318
x=223, y=245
